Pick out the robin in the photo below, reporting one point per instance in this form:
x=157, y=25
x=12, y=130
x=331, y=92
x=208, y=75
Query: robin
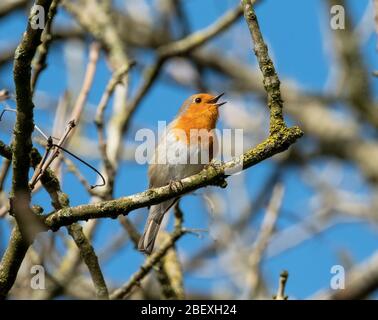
x=186, y=146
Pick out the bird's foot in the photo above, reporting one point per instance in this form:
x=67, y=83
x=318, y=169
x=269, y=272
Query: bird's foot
x=175, y=186
x=217, y=166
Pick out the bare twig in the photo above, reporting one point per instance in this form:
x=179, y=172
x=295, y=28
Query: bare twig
x=4, y=172
x=271, y=81
x=48, y=158
x=360, y=282
x=151, y=261
x=89, y=256
x=41, y=56
x=4, y=95
x=71, y=167
x=75, y=115
x=266, y=232
x=94, y=53
x=176, y=48
x=8, y=6
x=281, y=286
x=196, y=39
x=171, y=266
x=130, y=229
x=117, y=77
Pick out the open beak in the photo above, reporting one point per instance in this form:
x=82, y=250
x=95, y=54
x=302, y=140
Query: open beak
x=215, y=102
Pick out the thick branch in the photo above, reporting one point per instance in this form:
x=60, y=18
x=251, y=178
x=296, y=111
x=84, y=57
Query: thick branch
x=22, y=147
x=271, y=81
x=11, y=261
x=24, y=126
x=18, y=246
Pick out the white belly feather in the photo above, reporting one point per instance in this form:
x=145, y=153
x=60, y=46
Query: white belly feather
x=174, y=160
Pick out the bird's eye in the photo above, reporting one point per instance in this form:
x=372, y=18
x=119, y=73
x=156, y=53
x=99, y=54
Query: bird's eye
x=197, y=100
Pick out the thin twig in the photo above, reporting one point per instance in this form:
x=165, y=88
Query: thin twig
x=4, y=95
x=171, y=265
x=94, y=52
x=71, y=167
x=271, y=81
x=8, y=6
x=176, y=48
x=197, y=39
x=4, y=172
x=117, y=78
x=151, y=261
x=89, y=256
x=266, y=232
x=360, y=282
x=281, y=286
x=75, y=115
x=130, y=229
x=49, y=157
x=41, y=56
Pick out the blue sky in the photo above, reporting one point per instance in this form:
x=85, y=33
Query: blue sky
x=293, y=29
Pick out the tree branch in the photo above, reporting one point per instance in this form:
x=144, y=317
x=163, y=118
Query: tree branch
x=43, y=49
x=22, y=146
x=11, y=261
x=271, y=81
x=8, y=6
x=90, y=258
x=274, y=144
x=150, y=262
x=281, y=286
x=24, y=126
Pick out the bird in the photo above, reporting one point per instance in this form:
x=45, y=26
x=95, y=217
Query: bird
x=187, y=145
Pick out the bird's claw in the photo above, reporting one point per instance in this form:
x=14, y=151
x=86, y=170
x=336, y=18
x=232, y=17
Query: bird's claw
x=216, y=165
x=175, y=186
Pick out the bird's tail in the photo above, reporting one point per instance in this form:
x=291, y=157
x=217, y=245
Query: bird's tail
x=151, y=229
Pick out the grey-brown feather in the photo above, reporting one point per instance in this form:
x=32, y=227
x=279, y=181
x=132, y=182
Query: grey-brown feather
x=161, y=175
x=151, y=229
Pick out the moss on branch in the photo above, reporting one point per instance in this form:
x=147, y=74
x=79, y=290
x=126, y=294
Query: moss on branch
x=211, y=175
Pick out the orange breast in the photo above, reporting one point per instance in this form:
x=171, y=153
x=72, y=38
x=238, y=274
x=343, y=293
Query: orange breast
x=197, y=119
x=198, y=126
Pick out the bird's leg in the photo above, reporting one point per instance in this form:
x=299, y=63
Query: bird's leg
x=175, y=185
x=216, y=165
